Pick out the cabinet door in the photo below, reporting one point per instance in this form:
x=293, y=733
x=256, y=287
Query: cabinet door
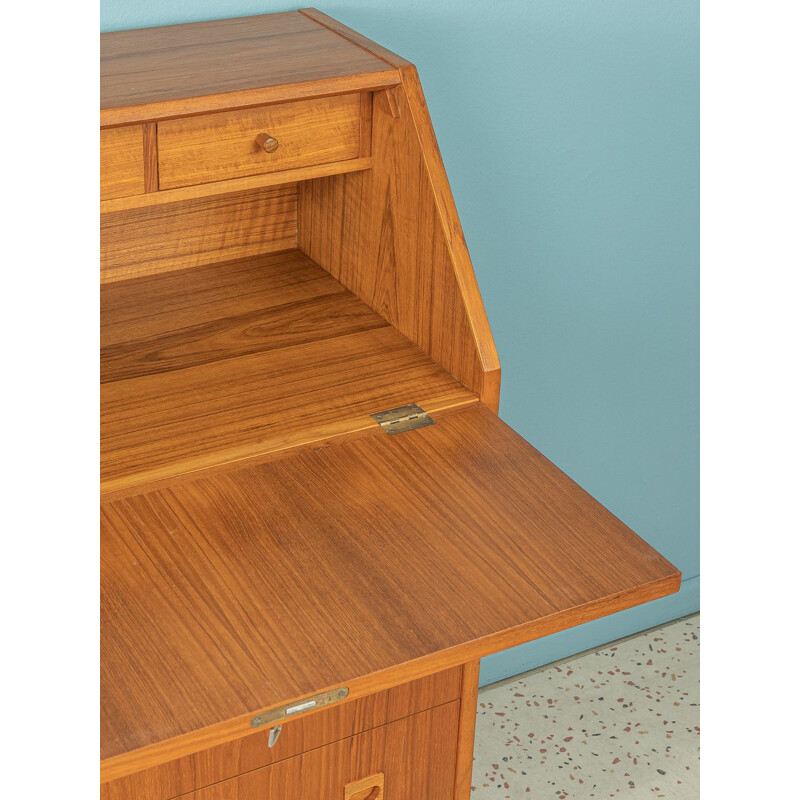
x=411, y=759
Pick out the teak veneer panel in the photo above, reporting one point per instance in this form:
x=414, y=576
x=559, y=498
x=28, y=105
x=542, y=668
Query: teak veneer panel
x=308, y=733
x=392, y=236
x=122, y=162
x=191, y=233
x=222, y=146
x=176, y=70
x=209, y=366
x=365, y=564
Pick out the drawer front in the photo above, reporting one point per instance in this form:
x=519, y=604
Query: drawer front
x=236, y=144
x=121, y=162
x=298, y=736
x=411, y=759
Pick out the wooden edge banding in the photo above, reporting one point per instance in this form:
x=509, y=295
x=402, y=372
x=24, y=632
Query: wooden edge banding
x=373, y=48
x=490, y=389
x=247, y=98
x=234, y=185
x=467, y=712
x=150, y=144
x=454, y=236
x=136, y=760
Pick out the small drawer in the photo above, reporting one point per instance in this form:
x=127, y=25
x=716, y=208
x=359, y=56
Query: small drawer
x=121, y=162
x=235, y=144
x=411, y=759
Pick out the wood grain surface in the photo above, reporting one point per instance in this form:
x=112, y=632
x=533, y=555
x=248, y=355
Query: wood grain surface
x=205, y=367
x=392, y=236
x=365, y=564
x=176, y=70
x=194, y=232
x=298, y=736
x=121, y=162
x=215, y=147
x=415, y=756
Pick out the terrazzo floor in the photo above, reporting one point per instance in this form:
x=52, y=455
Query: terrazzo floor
x=622, y=722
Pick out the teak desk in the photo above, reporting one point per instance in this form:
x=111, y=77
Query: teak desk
x=296, y=587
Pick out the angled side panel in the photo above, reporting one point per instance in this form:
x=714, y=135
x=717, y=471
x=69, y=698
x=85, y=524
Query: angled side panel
x=392, y=236
x=460, y=262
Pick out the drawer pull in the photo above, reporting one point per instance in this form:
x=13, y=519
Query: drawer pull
x=266, y=143
x=369, y=788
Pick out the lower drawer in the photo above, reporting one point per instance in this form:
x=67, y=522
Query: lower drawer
x=336, y=723
x=411, y=759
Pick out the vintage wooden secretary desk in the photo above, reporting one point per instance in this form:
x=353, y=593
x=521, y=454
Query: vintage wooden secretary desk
x=313, y=522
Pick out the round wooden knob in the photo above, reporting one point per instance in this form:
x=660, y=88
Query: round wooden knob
x=266, y=143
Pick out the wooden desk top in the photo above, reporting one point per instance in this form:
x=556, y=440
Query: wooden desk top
x=363, y=564
x=154, y=73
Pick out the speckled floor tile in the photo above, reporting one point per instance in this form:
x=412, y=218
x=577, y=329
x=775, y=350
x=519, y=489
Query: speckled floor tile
x=622, y=722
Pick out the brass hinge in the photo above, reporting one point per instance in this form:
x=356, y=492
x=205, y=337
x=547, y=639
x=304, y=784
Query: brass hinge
x=402, y=419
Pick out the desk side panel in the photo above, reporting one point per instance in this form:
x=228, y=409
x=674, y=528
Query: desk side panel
x=392, y=236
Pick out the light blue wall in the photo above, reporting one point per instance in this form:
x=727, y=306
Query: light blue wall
x=570, y=133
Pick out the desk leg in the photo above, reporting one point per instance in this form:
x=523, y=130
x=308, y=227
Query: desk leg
x=466, y=729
